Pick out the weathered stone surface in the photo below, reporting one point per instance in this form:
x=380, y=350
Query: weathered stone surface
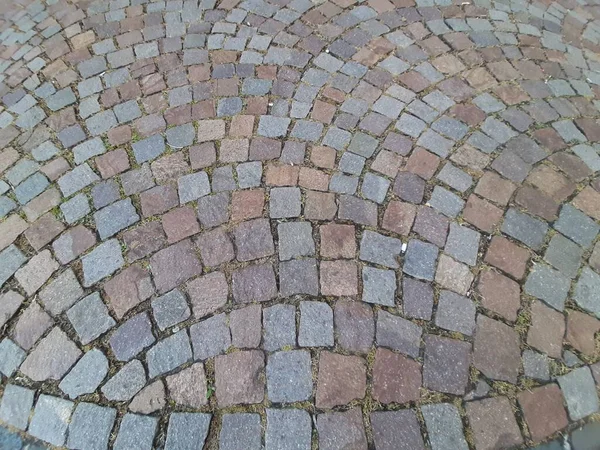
x=52, y=357
x=239, y=378
x=341, y=379
x=288, y=428
x=86, y=375
x=493, y=423
x=126, y=382
x=396, y=430
x=341, y=430
x=149, y=399
x=188, y=387
x=187, y=430
x=543, y=410
x=496, y=351
x=174, y=265
x=396, y=378
x=446, y=366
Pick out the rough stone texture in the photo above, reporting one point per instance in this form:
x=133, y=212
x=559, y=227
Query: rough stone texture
x=91, y=426
x=493, y=423
x=544, y=411
x=288, y=428
x=188, y=387
x=579, y=391
x=86, y=375
x=446, y=366
x=51, y=358
x=289, y=376
x=410, y=186
x=396, y=379
x=187, y=430
x=496, y=351
x=396, y=429
x=341, y=379
x=51, y=419
x=239, y=378
x=444, y=427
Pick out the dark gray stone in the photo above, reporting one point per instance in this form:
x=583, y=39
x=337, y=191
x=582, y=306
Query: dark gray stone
x=580, y=394
x=288, y=429
x=548, y=285
x=86, y=375
x=316, y=325
x=11, y=357
x=463, y=244
x=295, y=239
x=420, y=260
x=132, y=337
x=136, y=431
x=149, y=148
x=211, y=337
x=524, y=228
x=398, y=430
x=298, y=277
x=577, y=226
x=587, y=291
x=91, y=426
x=16, y=405
x=284, y=202
x=101, y=262
x=170, y=309
x=169, y=354
x=240, y=431
x=455, y=313
x=51, y=419
x=379, y=286
x=398, y=334
x=126, y=382
x=187, y=431
x=115, y=217
x=90, y=318
x=564, y=255
x=444, y=427
x=289, y=376
x=279, y=322
x=379, y=249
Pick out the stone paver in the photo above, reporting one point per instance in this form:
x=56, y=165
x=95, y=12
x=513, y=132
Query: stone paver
x=293, y=224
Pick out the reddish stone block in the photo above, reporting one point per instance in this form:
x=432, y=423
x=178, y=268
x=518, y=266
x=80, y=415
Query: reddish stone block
x=247, y=204
x=338, y=241
x=339, y=278
x=507, y=256
x=112, y=163
x=180, y=223
x=482, y=214
x=396, y=378
x=422, y=163
x=323, y=157
x=543, y=411
x=493, y=423
x=239, y=378
x=496, y=350
x=128, y=289
x=495, y=188
x=341, y=379
x=546, y=330
x=581, y=332
x=319, y=205
x=499, y=294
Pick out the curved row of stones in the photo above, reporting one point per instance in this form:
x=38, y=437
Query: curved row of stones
x=292, y=223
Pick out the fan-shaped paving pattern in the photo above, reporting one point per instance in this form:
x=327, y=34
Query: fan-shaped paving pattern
x=299, y=224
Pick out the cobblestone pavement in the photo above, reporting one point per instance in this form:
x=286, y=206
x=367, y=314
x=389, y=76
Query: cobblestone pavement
x=296, y=224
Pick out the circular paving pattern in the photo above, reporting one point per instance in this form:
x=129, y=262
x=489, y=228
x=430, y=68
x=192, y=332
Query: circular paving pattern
x=296, y=224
